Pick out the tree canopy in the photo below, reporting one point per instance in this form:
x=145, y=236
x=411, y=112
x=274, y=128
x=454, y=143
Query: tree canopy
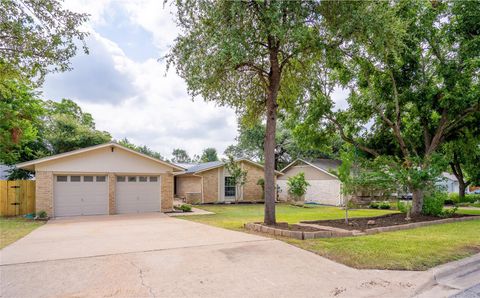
x=412, y=69
x=250, y=55
x=37, y=37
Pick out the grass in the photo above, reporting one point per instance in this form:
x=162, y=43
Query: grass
x=416, y=249
x=468, y=211
x=14, y=228
x=234, y=216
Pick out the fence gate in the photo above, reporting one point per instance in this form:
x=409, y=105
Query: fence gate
x=17, y=197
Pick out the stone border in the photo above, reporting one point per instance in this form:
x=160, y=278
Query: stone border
x=301, y=235
x=331, y=232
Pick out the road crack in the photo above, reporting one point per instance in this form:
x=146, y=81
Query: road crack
x=142, y=281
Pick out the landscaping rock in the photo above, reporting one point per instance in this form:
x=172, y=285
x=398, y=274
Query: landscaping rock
x=371, y=222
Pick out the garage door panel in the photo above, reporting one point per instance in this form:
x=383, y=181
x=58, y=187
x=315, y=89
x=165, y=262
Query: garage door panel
x=136, y=196
x=73, y=198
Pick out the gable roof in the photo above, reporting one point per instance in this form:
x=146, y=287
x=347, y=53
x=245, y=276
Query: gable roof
x=29, y=165
x=322, y=165
x=202, y=167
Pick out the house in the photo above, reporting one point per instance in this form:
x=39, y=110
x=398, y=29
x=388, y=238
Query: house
x=448, y=182
x=210, y=182
x=102, y=179
x=325, y=187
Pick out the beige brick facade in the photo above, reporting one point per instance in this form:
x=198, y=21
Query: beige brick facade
x=111, y=193
x=251, y=191
x=44, y=192
x=210, y=185
x=167, y=192
x=188, y=184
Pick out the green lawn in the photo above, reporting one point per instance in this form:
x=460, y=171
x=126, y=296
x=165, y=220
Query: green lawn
x=416, y=249
x=468, y=211
x=12, y=229
x=234, y=216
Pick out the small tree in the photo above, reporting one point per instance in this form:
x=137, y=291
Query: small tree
x=209, y=154
x=238, y=174
x=297, y=187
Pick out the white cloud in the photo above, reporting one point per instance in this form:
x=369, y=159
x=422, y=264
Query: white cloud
x=135, y=99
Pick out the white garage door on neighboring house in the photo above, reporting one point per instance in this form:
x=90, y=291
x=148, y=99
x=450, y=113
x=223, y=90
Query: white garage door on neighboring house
x=136, y=194
x=80, y=195
x=326, y=192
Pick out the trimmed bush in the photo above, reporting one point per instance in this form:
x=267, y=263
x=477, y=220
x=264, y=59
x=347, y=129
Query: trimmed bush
x=384, y=205
x=454, y=197
x=433, y=204
x=469, y=198
x=380, y=205
x=374, y=205
x=184, y=208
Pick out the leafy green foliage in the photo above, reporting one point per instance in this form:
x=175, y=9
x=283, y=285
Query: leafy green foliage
x=380, y=205
x=413, y=85
x=237, y=173
x=38, y=37
x=209, y=154
x=433, y=204
x=180, y=156
x=468, y=198
x=22, y=114
x=142, y=149
x=184, y=208
x=297, y=186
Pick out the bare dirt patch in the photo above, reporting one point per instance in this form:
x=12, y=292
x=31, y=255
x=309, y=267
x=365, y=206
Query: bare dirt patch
x=379, y=221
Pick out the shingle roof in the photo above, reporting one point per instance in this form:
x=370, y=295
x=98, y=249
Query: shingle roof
x=203, y=166
x=326, y=164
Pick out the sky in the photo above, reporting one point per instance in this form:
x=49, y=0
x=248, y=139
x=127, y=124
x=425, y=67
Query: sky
x=129, y=91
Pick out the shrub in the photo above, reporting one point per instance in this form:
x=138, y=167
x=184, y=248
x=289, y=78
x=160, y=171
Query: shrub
x=401, y=206
x=470, y=198
x=184, y=208
x=384, y=205
x=297, y=186
x=433, y=204
x=454, y=197
x=42, y=214
x=374, y=205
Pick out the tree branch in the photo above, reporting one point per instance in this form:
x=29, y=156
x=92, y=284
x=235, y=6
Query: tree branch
x=350, y=140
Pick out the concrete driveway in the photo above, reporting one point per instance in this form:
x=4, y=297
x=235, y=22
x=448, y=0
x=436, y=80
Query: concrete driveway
x=153, y=255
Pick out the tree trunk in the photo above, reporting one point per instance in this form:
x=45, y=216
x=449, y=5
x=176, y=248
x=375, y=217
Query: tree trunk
x=417, y=201
x=269, y=147
x=270, y=162
x=457, y=171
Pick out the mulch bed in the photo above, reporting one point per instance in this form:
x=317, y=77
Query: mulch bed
x=380, y=221
x=294, y=227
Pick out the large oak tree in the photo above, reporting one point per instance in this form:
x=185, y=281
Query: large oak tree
x=413, y=71
x=252, y=55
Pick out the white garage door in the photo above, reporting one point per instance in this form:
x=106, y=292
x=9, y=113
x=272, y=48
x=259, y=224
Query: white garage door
x=136, y=194
x=326, y=192
x=80, y=195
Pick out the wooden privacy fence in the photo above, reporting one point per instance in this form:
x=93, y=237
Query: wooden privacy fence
x=17, y=197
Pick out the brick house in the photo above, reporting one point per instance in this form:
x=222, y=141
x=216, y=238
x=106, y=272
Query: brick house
x=102, y=179
x=210, y=182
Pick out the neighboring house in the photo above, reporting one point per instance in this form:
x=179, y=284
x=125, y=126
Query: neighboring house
x=325, y=187
x=448, y=182
x=210, y=182
x=102, y=179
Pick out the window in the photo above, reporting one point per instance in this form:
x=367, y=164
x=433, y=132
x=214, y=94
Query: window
x=142, y=179
x=120, y=178
x=104, y=178
x=132, y=178
x=74, y=178
x=87, y=178
x=229, y=187
x=62, y=178
x=153, y=179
